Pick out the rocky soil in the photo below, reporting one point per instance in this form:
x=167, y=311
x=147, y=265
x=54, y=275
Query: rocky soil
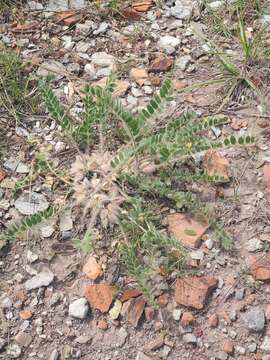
x=57, y=303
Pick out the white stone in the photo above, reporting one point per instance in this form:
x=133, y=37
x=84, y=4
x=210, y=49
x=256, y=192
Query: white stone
x=89, y=69
x=168, y=40
x=44, y=278
x=79, y=308
x=29, y=203
x=103, y=59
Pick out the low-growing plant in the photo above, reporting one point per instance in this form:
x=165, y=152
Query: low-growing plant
x=120, y=188
x=223, y=20
x=17, y=93
x=240, y=73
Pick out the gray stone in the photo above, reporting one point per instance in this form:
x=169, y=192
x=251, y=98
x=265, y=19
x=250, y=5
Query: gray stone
x=104, y=72
x=51, y=67
x=77, y=4
x=190, y=339
x=103, y=59
x=13, y=351
x=255, y=319
x=22, y=168
x=54, y=355
x=103, y=27
x=57, y=5
x=82, y=339
x=23, y=339
x=142, y=356
x=20, y=131
x=11, y=164
x=182, y=62
x=79, y=308
x=29, y=203
x=254, y=245
x=66, y=235
x=34, y=5
x=265, y=346
x=44, y=278
x=182, y=9
x=168, y=40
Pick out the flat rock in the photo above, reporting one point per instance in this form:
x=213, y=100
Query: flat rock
x=187, y=228
x=103, y=59
x=23, y=339
x=260, y=267
x=168, y=40
x=255, y=319
x=79, y=308
x=133, y=309
x=115, y=338
x=29, y=203
x=193, y=291
x=100, y=296
x=44, y=278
